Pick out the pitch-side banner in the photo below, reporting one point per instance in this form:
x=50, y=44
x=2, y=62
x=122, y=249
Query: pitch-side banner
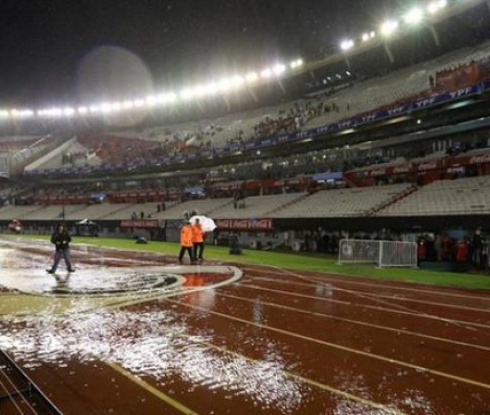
x=245, y=224
x=139, y=223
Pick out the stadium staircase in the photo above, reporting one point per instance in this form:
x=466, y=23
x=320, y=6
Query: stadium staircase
x=391, y=201
x=290, y=203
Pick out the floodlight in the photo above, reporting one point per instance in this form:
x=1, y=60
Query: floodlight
x=347, y=44
x=68, y=111
x=436, y=5
x=116, y=106
x=389, y=27
x=266, y=73
x=151, y=100
x=138, y=103
x=4, y=114
x=279, y=69
x=187, y=93
x=252, y=77
x=210, y=89
x=171, y=97
x=365, y=37
x=94, y=109
x=127, y=105
x=414, y=16
x=237, y=81
x=21, y=113
x=82, y=110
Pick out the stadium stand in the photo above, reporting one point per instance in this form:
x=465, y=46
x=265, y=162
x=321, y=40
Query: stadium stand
x=341, y=202
x=463, y=196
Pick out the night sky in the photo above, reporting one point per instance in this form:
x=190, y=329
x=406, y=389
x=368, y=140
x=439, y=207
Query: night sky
x=49, y=48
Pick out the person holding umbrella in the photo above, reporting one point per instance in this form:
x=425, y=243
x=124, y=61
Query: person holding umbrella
x=198, y=239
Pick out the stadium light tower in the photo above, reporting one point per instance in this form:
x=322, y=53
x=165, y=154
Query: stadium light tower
x=387, y=29
x=414, y=16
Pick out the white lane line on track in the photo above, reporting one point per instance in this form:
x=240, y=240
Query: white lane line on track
x=344, y=279
x=314, y=383
x=368, y=294
x=336, y=346
x=397, y=306
x=358, y=322
x=463, y=323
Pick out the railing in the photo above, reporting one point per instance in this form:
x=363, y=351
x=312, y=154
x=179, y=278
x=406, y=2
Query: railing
x=19, y=393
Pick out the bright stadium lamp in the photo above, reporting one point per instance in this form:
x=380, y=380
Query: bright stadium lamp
x=414, y=16
x=116, y=106
x=4, y=114
x=138, y=103
x=151, y=100
x=346, y=44
x=389, y=27
x=170, y=97
x=82, y=110
x=435, y=6
x=224, y=85
x=252, y=77
x=266, y=73
x=106, y=108
x=237, y=81
x=279, y=69
x=94, y=109
x=187, y=93
x=210, y=89
x=21, y=113
x=127, y=105
x=68, y=111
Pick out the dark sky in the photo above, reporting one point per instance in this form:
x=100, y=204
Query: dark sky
x=44, y=43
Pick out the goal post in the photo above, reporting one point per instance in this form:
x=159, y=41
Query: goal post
x=380, y=253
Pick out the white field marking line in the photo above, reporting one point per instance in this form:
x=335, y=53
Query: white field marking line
x=337, y=346
x=468, y=326
x=236, y=274
x=151, y=389
x=314, y=383
x=358, y=322
x=136, y=298
x=345, y=280
x=388, y=310
x=392, y=297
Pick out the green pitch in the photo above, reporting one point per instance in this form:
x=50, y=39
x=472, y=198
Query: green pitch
x=301, y=261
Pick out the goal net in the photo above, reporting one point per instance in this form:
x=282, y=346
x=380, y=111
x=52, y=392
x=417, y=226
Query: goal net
x=380, y=253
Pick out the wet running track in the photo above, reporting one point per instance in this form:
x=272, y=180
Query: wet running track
x=135, y=333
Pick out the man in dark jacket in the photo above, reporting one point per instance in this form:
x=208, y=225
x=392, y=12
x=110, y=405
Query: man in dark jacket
x=61, y=240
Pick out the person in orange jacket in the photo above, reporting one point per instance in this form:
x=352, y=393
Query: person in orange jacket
x=186, y=244
x=198, y=240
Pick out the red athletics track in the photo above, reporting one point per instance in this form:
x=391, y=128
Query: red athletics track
x=239, y=340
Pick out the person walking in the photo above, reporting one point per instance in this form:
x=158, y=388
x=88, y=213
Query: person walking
x=186, y=244
x=198, y=240
x=61, y=240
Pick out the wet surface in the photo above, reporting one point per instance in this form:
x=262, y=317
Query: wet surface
x=132, y=333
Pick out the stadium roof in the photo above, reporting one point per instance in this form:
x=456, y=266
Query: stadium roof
x=62, y=55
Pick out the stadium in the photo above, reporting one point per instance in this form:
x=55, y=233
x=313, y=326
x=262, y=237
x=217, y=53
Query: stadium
x=347, y=268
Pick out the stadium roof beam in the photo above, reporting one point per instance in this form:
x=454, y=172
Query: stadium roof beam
x=252, y=93
x=281, y=85
x=389, y=53
x=435, y=35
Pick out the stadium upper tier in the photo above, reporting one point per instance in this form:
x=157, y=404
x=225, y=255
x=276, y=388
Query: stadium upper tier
x=208, y=138
x=463, y=196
